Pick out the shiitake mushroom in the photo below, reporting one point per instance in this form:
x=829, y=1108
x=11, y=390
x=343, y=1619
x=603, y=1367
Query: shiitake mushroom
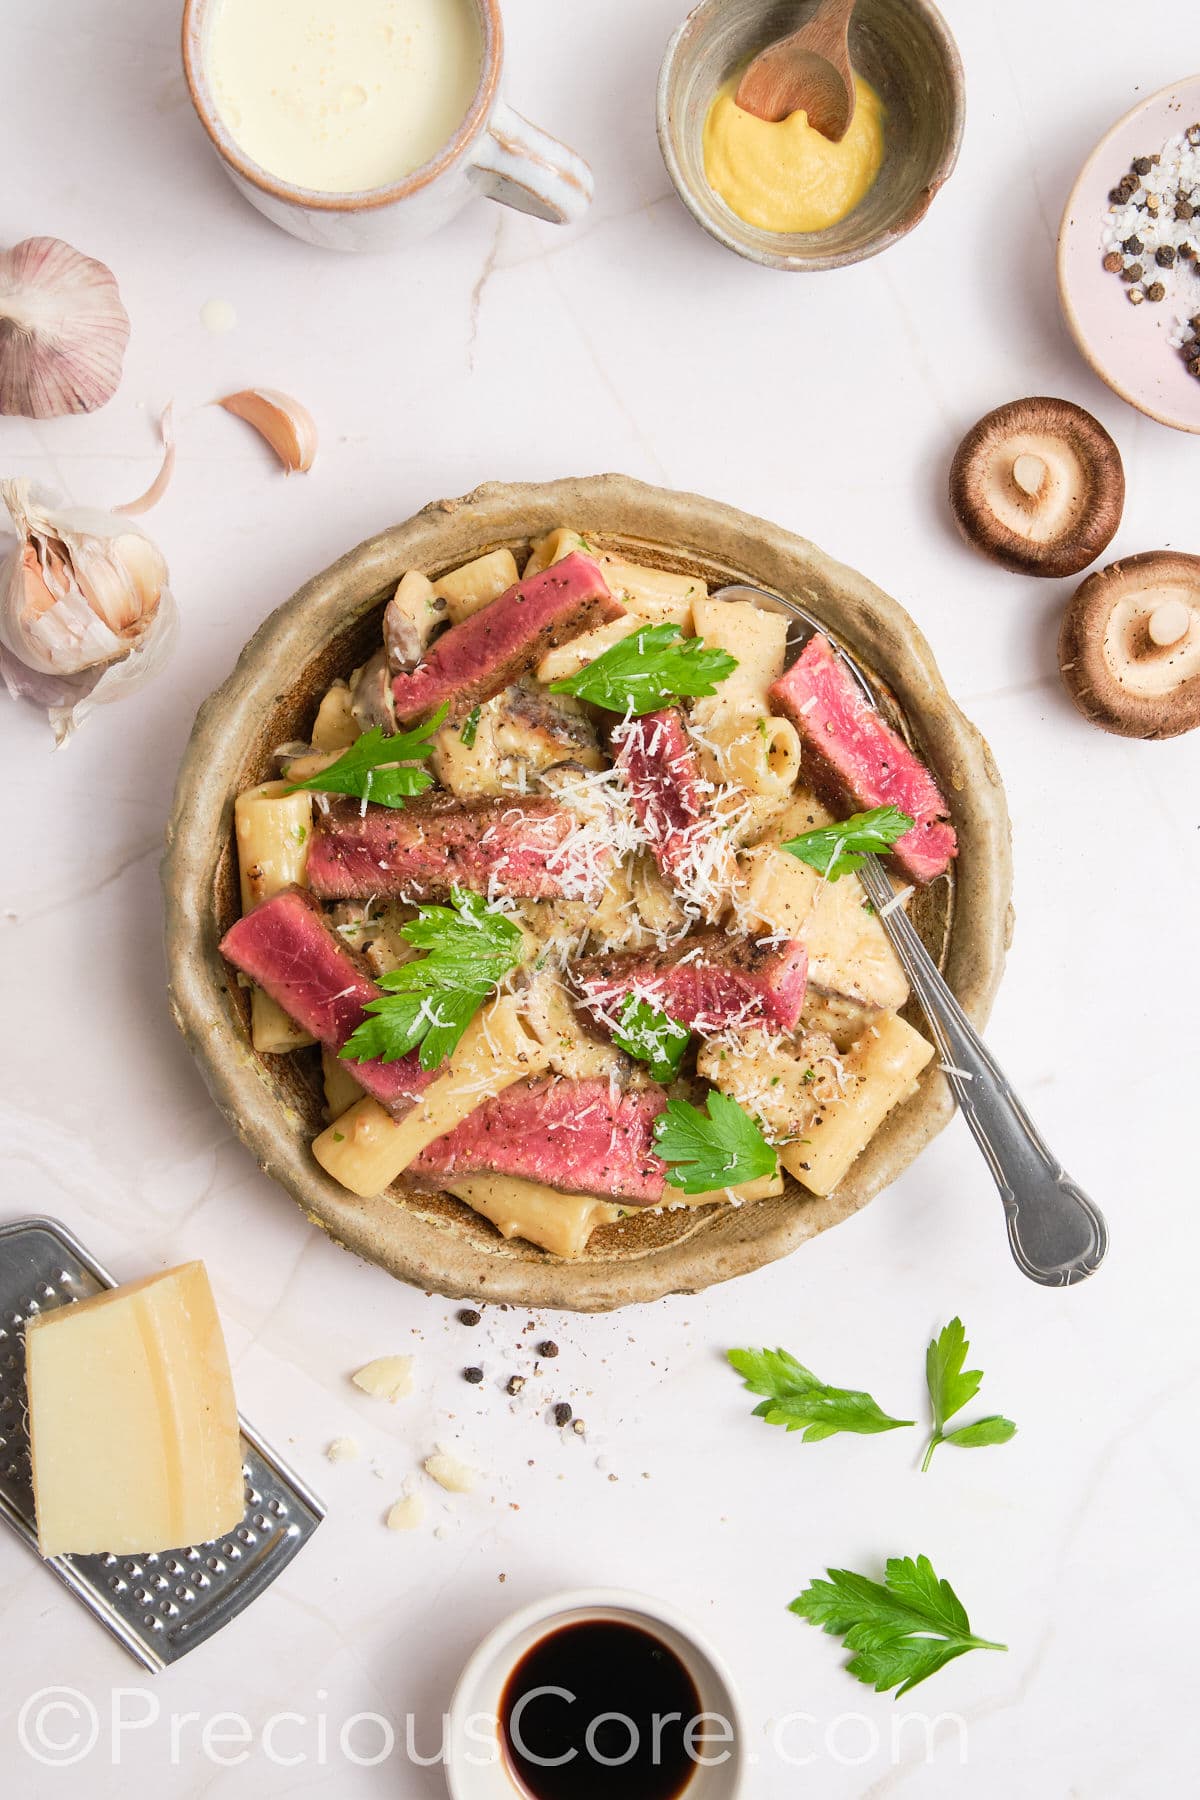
x=1129, y=648
x=1039, y=486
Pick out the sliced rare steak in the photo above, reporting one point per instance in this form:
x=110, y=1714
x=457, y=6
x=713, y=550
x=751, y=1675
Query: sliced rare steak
x=506, y=639
x=661, y=774
x=287, y=947
x=710, y=981
x=492, y=844
x=581, y=1136
x=857, y=762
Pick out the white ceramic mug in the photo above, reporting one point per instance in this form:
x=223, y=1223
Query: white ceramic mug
x=476, y=1767
x=494, y=152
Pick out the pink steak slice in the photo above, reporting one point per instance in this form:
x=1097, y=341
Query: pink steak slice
x=710, y=981
x=507, y=638
x=287, y=946
x=857, y=762
x=501, y=845
x=666, y=790
x=576, y=1135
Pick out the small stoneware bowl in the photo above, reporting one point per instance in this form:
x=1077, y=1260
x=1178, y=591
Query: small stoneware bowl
x=904, y=48
x=475, y=1763
x=275, y=1103
x=1128, y=346
x=495, y=153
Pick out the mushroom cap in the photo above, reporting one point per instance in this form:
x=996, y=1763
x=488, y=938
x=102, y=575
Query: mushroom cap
x=1117, y=670
x=1038, y=485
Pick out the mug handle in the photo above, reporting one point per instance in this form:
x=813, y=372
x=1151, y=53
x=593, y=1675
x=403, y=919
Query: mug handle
x=524, y=167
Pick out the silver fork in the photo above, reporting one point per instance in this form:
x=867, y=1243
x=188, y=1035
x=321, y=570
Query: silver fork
x=1056, y=1233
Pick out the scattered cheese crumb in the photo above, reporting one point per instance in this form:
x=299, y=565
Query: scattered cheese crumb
x=343, y=1449
x=455, y=1476
x=387, y=1378
x=407, y=1513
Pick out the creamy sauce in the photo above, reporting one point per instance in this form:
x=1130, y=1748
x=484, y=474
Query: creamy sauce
x=787, y=176
x=343, y=95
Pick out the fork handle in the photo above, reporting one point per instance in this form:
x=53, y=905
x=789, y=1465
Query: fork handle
x=1057, y=1235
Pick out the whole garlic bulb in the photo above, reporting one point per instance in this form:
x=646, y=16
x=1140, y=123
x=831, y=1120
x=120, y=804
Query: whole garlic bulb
x=85, y=611
x=63, y=330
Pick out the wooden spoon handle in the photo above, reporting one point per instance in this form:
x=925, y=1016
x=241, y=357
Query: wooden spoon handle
x=827, y=31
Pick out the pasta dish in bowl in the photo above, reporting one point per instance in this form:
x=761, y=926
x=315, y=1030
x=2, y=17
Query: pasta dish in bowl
x=519, y=934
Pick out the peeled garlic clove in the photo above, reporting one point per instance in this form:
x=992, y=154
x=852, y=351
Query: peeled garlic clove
x=288, y=427
x=63, y=330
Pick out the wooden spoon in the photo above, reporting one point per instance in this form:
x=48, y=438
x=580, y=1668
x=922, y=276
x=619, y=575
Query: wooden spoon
x=809, y=71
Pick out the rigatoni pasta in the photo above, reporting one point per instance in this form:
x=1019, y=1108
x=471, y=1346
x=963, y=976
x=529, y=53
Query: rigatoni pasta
x=272, y=828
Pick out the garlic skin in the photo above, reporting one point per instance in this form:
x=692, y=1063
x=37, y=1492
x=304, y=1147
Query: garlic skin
x=288, y=427
x=63, y=330
x=85, y=611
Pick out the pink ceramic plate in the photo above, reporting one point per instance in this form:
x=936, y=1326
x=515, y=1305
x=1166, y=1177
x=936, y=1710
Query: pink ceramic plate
x=1128, y=346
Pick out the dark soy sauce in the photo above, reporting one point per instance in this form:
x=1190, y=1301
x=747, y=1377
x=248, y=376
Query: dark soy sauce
x=609, y=1667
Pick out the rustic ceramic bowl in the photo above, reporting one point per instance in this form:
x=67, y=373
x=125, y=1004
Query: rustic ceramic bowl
x=274, y=1103
x=904, y=48
x=1127, y=345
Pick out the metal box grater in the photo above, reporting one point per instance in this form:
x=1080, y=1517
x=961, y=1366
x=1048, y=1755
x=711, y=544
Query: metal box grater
x=162, y=1605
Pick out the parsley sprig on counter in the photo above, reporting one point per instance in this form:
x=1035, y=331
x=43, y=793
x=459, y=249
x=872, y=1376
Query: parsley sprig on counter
x=799, y=1401
x=638, y=673
x=901, y=1631
x=840, y=849
x=652, y=1036
x=379, y=766
x=431, y=1002
x=720, y=1148
x=950, y=1387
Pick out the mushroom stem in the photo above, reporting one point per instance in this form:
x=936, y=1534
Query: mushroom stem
x=1168, y=623
x=1029, y=473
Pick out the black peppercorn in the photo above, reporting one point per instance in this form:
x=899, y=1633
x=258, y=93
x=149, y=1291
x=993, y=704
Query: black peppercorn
x=1132, y=245
x=1141, y=165
x=515, y=1384
x=474, y=1376
x=468, y=1316
x=1164, y=256
x=548, y=1348
x=1184, y=210
x=1132, y=272
x=1113, y=262
x=1156, y=291
x=1194, y=322
x=562, y=1413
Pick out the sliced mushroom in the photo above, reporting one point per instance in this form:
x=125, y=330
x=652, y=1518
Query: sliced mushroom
x=1129, y=649
x=1038, y=485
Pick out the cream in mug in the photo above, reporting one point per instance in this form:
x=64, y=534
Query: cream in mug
x=343, y=95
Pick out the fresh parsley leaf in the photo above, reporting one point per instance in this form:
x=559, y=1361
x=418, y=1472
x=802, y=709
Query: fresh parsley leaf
x=902, y=1631
x=470, y=727
x=950, y=1388
x=652, y=1037
x=431, y=1002
x=653, y=664
x=379, y=766
x=799, y=1401
x=840, y=849
x=992, y=1430
x=716, y=1149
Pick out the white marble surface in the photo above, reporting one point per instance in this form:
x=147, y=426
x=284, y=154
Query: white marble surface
x=831, y=404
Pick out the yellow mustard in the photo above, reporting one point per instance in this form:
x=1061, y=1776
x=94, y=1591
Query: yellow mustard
x=786, y=176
